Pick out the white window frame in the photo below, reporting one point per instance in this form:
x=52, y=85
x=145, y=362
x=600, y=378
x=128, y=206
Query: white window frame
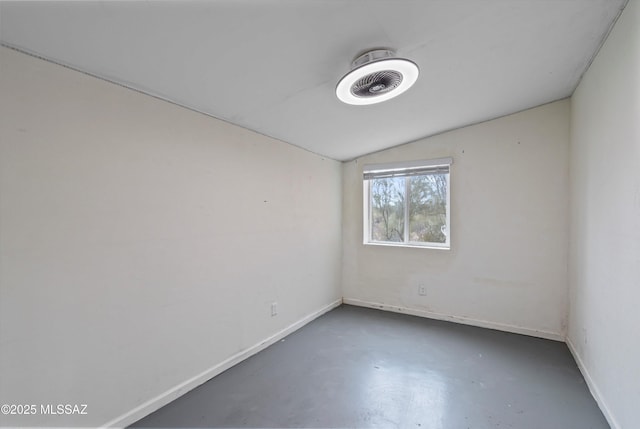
x=405, y=168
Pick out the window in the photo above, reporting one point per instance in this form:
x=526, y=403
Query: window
x=407, y=204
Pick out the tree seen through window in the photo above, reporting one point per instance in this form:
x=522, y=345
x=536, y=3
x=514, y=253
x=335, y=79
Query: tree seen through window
x=423, y=197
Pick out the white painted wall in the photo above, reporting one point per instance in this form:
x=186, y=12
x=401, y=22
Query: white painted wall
x=605, y=223
x=507, y=267
x=142, y=243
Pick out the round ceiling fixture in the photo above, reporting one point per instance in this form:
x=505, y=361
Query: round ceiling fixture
x=376, y=76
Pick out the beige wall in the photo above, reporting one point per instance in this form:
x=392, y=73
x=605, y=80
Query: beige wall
x=142, y=244
x=507, y=267
x=604, y=319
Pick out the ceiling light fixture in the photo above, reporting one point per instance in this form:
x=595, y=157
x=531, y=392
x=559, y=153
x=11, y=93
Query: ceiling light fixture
x=376, y=76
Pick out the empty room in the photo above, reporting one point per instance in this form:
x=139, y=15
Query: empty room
x=320, y=213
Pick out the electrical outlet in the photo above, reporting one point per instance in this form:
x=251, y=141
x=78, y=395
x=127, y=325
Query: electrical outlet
x=274, y=309
x=422, y=290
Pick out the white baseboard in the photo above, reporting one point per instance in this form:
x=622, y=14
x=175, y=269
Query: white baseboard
x=464, y=320
x=593, y=388
x=175, y=392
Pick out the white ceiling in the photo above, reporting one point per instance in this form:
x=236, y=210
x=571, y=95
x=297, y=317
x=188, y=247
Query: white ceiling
x=272, y=65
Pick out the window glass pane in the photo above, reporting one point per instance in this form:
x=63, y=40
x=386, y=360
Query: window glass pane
x=428, y=208
x=387, y=209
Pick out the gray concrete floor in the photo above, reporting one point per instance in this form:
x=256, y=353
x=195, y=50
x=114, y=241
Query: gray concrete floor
x=363, y=368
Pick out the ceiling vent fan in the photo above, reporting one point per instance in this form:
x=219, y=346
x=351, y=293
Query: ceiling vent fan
x=376, y=76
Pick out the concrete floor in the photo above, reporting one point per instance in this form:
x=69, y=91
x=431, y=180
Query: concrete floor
x=357, y=367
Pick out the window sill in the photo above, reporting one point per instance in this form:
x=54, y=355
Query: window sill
x=409, y=245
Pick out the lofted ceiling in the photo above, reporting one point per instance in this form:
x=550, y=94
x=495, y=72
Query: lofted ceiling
x=272, y=65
